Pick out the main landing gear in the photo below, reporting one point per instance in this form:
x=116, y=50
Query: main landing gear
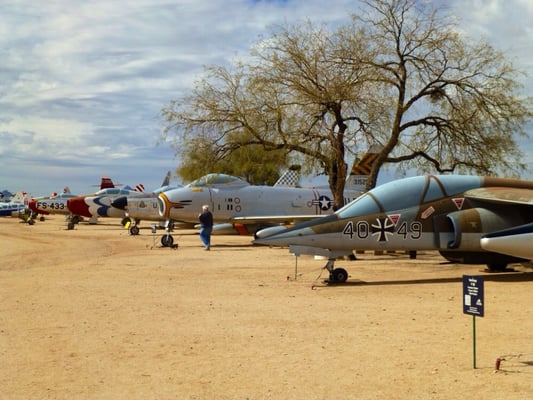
x=72, y=220
x=132, y=225
x=336, y=275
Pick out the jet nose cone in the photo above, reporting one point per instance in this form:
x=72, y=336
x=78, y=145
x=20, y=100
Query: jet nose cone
x=120, y=203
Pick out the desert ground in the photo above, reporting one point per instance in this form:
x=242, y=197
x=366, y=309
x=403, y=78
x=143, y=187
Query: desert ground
x=94, y=313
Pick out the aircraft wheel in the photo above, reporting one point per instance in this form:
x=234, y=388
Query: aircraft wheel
x=167, y=240
x=70, y=226
x=338, y=275
x=75, y=220
x=41, y=218
x=497, y=267
x=30, y=222
x=134, y=230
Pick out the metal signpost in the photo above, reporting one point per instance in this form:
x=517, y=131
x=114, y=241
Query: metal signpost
x=473, y=302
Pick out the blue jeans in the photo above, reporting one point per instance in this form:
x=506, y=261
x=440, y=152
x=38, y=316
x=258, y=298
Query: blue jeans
x=205, y=235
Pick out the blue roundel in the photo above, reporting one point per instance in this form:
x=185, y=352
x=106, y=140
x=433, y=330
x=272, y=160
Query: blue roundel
x=324, y=203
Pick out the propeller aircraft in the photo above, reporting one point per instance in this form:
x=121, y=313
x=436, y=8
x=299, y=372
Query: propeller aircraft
x=468, y=219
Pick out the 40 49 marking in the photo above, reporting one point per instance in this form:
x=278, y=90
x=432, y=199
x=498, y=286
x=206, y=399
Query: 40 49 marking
x=383, y=229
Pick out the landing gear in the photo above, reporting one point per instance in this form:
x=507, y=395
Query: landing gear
x=134, y=230
x=336, y=275
x=497, y=266
x=167, y=240
x=72, y=220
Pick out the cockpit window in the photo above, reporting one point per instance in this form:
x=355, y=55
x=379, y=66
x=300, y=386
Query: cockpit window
x=363, y=205
x=409, y=192
x=400, y=194
x=459, y=183
x=218, y=180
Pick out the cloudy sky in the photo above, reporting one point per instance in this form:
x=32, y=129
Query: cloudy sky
x=82, y=83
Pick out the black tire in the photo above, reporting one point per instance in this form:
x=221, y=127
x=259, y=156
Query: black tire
x=338, y=275
x=134, y=230
x=497, y=266
x=70, y=226
x=167, y=240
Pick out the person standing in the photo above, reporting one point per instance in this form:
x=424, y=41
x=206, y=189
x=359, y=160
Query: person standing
x=206, y=226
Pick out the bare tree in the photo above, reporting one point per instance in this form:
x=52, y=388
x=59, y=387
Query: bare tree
x=454, y=105
x=399, y=76
x=295, y=97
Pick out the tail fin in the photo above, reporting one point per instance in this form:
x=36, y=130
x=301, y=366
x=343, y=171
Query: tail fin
x=66, y=190
x=106, y=183
x=166, y=181
x=290, y=178
x=139, y=187
x=21, y=197
x=361, y=169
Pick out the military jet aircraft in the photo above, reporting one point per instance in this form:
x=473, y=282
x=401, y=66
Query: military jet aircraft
x=239, y=207
x=468, y=219
x=17, y=204
x=58, y=203
x=99, y=204
x=147, y=207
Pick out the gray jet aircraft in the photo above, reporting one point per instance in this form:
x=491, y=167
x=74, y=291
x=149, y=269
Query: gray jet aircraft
x=468, y=219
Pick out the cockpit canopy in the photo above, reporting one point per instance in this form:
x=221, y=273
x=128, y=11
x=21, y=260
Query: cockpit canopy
x=218, y=180
x=409, y=192
x=113, y=192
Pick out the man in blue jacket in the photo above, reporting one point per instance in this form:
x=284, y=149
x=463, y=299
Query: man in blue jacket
x=206, y=223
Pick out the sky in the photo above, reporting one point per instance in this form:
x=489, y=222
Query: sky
x=82, y=83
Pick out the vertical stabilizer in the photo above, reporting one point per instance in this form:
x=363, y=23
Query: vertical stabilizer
x=166, y=181
x=21, y=197
x=290, y=178
x=361, y=170
x=106, y=183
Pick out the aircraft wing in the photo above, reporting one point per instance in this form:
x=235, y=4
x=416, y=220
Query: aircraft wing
x=274, y=219
x=501, y=195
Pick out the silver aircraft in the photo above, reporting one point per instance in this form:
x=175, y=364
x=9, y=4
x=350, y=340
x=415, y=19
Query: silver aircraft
x=237, y=206
x=468, y=219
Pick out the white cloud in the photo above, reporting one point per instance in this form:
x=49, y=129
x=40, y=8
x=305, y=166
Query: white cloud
x=83, y=82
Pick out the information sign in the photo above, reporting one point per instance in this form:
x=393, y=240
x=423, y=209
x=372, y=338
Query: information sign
x=473, y=291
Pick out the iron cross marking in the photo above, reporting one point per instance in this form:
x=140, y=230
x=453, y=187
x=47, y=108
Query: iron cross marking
x=383, y=228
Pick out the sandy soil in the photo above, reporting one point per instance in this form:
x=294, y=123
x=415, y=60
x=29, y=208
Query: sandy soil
x=95, y=313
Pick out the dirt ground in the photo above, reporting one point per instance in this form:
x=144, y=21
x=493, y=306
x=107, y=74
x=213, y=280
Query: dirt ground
x=95, y=313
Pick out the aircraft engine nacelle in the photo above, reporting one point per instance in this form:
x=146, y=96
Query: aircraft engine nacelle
x=468, y=226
